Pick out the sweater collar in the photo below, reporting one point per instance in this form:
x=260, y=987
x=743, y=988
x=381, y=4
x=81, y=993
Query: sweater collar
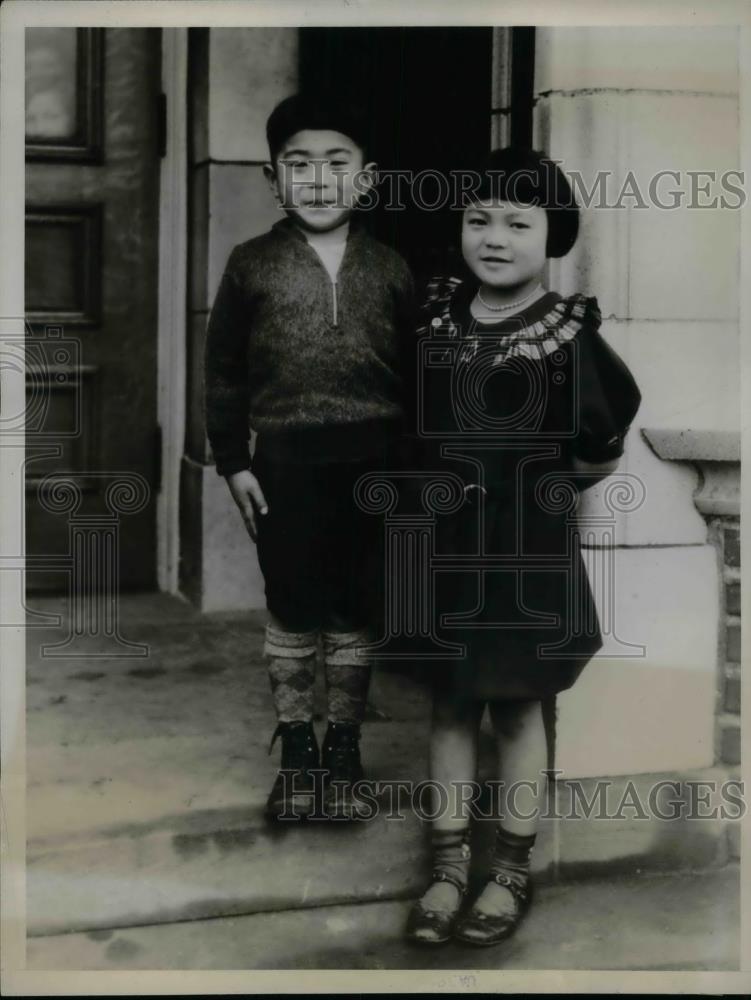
x=287, y=227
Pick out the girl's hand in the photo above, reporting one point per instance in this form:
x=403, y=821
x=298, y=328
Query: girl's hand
x=595, y=471
x=247, y=493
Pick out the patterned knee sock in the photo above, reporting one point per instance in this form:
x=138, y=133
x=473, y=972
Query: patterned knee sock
x=291, y=660
x=512, y=855
x=347, y=675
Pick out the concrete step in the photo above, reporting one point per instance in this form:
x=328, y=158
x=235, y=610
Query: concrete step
x=218, y=860
x=653, y=923
x=147, y=780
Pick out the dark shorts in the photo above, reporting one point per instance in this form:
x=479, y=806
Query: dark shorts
x=320, y=554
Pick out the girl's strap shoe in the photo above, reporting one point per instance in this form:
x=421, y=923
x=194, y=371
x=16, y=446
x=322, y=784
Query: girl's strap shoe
x=434, y=927
x=484, y=929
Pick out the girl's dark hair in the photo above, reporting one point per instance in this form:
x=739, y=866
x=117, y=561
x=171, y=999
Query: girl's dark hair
x=528, y=177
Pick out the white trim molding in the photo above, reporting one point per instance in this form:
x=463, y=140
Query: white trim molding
x=173, y=255
x=500, y=98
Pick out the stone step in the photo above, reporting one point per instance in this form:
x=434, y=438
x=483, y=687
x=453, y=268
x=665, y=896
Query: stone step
x=146, y=781
x=213, y=861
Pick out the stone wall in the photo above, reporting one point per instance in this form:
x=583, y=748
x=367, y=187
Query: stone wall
x=726, y=532
x=716, y=458
x=730, y=741
x=236, y=77
x=645, y=100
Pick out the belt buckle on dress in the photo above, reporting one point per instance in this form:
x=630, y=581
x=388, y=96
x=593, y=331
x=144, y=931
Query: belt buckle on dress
x=473, y=486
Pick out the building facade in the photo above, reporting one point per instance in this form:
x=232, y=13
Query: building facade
x=179, y=182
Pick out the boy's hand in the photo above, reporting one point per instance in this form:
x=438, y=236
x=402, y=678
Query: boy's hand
x=247, y=493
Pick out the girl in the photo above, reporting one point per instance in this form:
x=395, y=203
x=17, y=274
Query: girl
x=527, y=404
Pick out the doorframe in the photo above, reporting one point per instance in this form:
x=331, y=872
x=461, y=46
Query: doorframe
x=512, y=98
x=172, y=303
x=506, y=106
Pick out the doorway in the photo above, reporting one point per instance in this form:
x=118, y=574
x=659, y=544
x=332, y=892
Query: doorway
x=427, y=93
x=92, y=209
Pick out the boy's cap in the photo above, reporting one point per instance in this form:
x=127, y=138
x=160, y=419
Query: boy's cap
x=300, y=112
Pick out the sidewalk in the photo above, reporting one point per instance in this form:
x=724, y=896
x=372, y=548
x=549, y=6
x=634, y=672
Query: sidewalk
x=147, y=779
x=653, y=923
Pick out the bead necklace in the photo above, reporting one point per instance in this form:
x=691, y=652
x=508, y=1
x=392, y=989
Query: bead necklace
x=508, y=305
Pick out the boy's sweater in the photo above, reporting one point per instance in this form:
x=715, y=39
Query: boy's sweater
x=315, y=367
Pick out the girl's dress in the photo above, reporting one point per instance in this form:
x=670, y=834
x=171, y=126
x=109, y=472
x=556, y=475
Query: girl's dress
x=504, y=408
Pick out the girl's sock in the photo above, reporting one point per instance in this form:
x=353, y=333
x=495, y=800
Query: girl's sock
x=347, y=675
x=291, y=658
x=510, y=858
x=451, y=855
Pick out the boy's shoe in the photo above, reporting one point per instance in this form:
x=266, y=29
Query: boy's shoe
x=293, y=795
x=342, y=766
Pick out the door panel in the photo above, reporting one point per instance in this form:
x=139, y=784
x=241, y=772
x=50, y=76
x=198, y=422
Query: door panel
x=92, y=196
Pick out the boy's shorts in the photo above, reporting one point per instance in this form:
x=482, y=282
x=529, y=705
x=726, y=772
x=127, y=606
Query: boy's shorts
x=321, y=555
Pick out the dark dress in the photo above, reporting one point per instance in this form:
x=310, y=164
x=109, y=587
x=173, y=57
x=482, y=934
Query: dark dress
x=504, y=408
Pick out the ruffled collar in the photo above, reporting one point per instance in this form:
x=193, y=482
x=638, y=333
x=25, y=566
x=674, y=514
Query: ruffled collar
x=534, y=332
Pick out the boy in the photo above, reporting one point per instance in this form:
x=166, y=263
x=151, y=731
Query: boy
x=306, y=342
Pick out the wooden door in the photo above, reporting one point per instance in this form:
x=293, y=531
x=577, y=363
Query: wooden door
x=92, y=208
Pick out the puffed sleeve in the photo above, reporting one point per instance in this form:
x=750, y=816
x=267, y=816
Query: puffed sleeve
x=608, y=399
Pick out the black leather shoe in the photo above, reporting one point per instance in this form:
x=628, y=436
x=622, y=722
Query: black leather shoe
x=293, y=795
x=340, y=760
x=434, y=927
x=483, y=929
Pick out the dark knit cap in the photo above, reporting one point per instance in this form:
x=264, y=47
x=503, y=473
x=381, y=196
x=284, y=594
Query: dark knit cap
x=316, y=111
x=528, y=177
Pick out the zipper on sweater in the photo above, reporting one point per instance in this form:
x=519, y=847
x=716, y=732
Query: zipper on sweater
x=336, y=305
